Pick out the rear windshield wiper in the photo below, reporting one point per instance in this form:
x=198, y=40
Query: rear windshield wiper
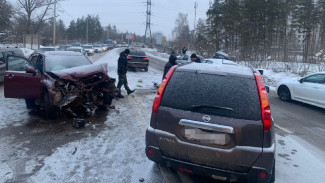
x=194, y=107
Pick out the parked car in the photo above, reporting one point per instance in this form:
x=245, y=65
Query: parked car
x=217, y=61
x=63, y=47
x=186, y=59
x=89, y=49
x=98, y=48
x=59, y=80
x=77, y=49
x=47, y=48
x=213, y=120
x=309, y=89
x=76, y=45
x=4, y=64
x=138, y=59
x=221, y=55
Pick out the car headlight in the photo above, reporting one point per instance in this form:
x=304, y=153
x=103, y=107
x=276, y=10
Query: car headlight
x=59, y=83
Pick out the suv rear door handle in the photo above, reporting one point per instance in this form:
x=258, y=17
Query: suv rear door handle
x=207, y=126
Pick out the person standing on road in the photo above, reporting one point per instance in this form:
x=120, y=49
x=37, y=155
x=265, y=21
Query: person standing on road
x=122, y=68
x=194, y=58
x=184, y=50
x=170, y=64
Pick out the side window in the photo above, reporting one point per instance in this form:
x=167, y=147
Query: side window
x=317, y=78
x=2, y=60
x=17, y=64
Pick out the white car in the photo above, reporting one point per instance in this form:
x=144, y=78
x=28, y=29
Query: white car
x=218, y=61
x=309, y=89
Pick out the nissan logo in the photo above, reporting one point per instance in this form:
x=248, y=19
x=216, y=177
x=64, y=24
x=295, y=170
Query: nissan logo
x=206, y=118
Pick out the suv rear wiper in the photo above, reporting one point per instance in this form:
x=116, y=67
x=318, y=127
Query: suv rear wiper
x=193, y=107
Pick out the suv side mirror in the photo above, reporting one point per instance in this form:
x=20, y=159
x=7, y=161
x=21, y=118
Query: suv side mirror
x=261, y=71
x=267, y=88
x=31, y=70
x=301, y=80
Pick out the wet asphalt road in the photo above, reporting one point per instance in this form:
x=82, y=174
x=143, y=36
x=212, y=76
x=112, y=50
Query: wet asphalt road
x=25, y=136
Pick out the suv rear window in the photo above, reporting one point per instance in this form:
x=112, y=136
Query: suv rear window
x=188, y=89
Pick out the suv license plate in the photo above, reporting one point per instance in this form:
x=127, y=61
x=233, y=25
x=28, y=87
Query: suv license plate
x=206, y=137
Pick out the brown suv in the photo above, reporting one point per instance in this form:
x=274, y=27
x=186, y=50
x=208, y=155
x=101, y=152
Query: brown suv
x=213, y=120
x=59, y=80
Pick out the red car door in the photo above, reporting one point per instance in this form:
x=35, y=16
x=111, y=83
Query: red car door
x=20, y=84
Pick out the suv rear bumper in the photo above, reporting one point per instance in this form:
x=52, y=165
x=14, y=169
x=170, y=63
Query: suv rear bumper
x=219, y=174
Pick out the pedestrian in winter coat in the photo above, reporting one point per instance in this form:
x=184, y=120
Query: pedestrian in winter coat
x=184, y=50
x=194, y=58
x=122, y=68
x=170, y=64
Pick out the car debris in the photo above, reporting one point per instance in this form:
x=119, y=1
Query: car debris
x=78, y=123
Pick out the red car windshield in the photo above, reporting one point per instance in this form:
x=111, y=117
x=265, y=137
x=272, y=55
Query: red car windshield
x=57, y=62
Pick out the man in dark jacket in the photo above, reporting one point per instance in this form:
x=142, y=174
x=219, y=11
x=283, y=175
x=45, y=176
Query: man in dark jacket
x=184, y=50
x=170, y=63
x=122, y=68
x=195, y=58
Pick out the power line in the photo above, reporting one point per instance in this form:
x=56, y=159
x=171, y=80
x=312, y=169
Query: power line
x=148, y=29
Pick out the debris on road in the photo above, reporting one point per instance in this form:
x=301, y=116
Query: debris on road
x=75, y=150
x=141, y=179
x=78, y=123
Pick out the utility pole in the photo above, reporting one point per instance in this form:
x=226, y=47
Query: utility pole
x=87, y=32
x=54, y=21
x=195, y=6
x=148, y=29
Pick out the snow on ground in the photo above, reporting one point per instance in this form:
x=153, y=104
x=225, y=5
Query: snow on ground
x=153, y=53
x=297, y=161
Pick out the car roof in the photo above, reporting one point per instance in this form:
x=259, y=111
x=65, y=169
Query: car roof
x=62, y=53
x=220, y=69
x=75, y=47
x=9, y=49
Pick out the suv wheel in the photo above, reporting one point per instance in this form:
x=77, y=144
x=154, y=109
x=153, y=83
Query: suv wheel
x=284, y=93
x=50, y=111
x=146, y=69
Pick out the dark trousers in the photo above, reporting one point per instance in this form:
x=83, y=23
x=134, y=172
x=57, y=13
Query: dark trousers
x=122, y=80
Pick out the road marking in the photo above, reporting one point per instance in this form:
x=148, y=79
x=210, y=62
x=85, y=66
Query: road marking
x=283, y=129
x=138, y=113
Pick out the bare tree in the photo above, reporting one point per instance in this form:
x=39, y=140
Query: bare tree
x=33, y=13
x=182, y=31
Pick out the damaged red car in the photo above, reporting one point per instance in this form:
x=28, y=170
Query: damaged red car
x=59, y=80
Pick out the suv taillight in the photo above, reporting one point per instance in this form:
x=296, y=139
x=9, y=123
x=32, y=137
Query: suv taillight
x=265, y=105
x=156, y=102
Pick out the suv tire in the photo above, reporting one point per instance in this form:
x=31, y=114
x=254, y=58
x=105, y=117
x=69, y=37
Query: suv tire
x=284, y=93
x=146, y=69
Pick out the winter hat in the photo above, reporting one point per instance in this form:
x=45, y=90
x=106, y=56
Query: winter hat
x=172, y=58
x=127, y=51
x=193, y=55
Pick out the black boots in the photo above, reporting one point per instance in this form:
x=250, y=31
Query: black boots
x=130, y=91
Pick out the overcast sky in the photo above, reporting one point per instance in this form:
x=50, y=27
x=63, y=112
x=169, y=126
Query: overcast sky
x=130, y=15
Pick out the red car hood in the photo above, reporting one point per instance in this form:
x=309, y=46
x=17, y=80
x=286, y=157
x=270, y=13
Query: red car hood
x=75, y=73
